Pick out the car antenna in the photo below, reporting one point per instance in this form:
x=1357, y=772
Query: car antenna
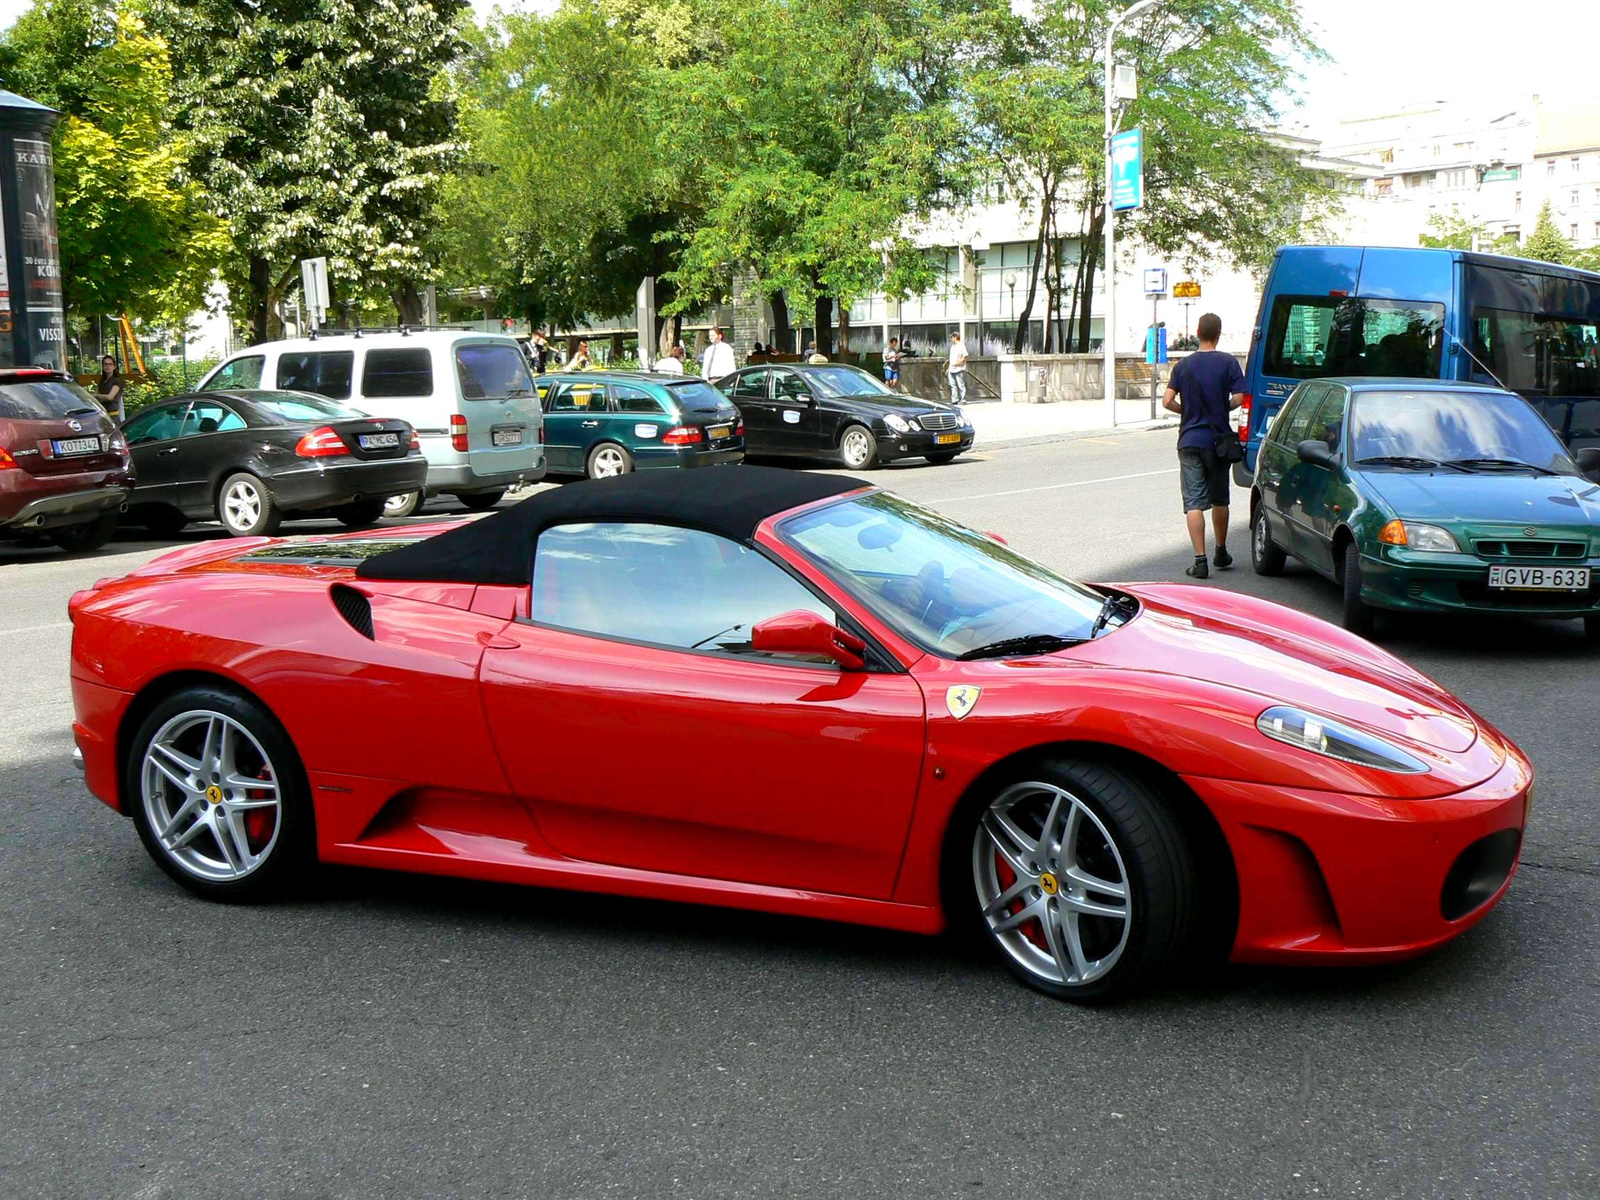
x=1477, y=360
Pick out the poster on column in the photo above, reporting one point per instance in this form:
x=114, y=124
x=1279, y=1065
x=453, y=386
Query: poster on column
x=8, y=320
x=41, y=253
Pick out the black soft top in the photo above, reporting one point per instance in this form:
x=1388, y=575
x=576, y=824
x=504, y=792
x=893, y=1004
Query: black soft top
x=728, y=501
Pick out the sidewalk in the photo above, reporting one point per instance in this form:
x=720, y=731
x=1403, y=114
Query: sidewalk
x=997, y=424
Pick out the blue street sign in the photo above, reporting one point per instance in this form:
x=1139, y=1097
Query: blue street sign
x=1155, y=345
x=1127, y=170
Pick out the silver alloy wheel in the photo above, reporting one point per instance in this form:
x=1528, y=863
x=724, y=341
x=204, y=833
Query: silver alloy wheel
x=1052, y=884
x=241, y=506
x=1258, y=537
x=402, y=505
x=211, y=796
x=607, y=462
x=856, y=447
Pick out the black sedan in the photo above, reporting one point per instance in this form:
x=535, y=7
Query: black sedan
x=841, y=413
x=251, y=458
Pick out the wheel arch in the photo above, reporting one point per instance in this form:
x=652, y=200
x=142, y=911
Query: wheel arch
x=1218, y=872
x=1342, y=536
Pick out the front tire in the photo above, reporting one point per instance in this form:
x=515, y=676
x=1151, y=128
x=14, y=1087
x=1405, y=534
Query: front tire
x=91, y=535
x=219, y=796
x=362, y=515
x=1356, y=615
x=608, y=460
x=246, y=508
x=482, y=501
x=1266, y=556
x=858, y=449
x=1079, y=875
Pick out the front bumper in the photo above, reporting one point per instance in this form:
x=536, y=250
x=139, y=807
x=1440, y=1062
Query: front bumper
x=345, y=481
x=1410, y=581
x=919, y=444
x=53, y=511
x=1326, y=877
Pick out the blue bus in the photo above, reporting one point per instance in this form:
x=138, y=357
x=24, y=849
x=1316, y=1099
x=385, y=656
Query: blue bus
x=1530, y=327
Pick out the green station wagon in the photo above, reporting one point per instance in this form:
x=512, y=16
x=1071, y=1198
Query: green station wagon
x=1428, y=496
x=604, y=423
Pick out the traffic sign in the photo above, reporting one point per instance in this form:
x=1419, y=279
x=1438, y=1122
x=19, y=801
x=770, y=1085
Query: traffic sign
x=1186, y=289
x=1127, y=170
x=1155, y=344
x=1155, y=281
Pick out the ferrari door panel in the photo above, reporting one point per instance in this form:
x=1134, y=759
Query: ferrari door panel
x=709, y=765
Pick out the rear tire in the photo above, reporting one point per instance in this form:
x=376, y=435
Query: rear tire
x=608, y=460
x=1266, y=556
x=402, y=506
x=91, y=535
x=942, y=458
x=362, y=515
x=482, y=501
x=238, y=843
x=1064, y=929
x=1357, y=615
x=246, y=508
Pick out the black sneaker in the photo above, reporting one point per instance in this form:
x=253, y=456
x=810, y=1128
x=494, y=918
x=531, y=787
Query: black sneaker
x=1223, y=559
x=1199, y=570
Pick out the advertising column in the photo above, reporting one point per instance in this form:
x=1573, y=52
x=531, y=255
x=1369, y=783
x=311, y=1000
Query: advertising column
x=40, y=282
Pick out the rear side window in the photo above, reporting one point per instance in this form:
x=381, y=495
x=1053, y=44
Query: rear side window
x=579, y=397
x=752, y=385
x=46, y=400
x=407, y=371
x=324, y=372
x=1308, y=336
x=490, y=372
x=631, y=399
x=240, y=373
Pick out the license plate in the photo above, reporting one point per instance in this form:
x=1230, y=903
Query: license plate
x=1540, y=579
x=717, y=432
x=947, y=439
x=379, y=441
x=69, y=446
x=507, y=437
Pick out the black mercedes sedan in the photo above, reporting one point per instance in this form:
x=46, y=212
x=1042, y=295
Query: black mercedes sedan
x=841, y=413
x=252, y=458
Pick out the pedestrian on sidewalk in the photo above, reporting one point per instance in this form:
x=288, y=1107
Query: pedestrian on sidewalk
x=1210, y=385
x=891, y=364
x=717, y=361
x=957, y=369
x=672, y=364
x=109, y=389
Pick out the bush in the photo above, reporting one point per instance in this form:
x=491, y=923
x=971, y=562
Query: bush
x=165, y=381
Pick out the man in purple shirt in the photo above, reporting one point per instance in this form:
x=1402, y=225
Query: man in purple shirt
x=1211, y=386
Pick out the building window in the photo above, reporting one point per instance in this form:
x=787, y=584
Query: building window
x=1383, y=187
x=1436, y=151
x=1572, y=231
x=1550, y=167
x=1516, y=204
x=1597, y=195
x=1576, y=164
x=1574, y=197
x=1597, y=230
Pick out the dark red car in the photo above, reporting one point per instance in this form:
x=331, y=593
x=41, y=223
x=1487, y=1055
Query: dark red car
x=801, y=694
x=65, y=473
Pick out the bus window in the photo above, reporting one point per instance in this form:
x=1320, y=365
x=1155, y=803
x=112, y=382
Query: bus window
x=1299, y=332
x=1311, y=336
x=1531, y=352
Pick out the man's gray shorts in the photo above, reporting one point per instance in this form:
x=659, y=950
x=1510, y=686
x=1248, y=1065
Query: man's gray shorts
x=1204, y=478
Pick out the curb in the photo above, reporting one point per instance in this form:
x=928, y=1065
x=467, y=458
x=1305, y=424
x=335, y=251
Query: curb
x=1046, y=439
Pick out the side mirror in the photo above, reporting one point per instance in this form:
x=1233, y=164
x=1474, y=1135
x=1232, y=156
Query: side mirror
x=1588, y=460
x=995, y=537
x=1314, y=451
x=805, y=632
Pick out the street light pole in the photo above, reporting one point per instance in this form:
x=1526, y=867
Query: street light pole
x=1109, y=340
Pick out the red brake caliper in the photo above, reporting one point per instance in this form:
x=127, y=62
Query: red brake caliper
x=1031, y=929
x=258, y=821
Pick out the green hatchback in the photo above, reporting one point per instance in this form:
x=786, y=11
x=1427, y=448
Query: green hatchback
x=604, y=423
x=1429, y=496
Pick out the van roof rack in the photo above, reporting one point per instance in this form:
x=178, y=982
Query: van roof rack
x=402, y=330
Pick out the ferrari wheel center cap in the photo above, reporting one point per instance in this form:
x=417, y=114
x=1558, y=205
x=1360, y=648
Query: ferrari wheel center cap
x=214, y=794
x=1049, y=884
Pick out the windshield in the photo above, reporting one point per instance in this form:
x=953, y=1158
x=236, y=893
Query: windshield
x=844, y=381
x=46, y=400
x=290, y=407
x=947, y=588
x=1450, y=426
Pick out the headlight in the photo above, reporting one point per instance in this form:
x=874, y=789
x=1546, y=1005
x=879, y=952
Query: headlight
x=1415, y=536
x=1332, y=739
x=898, y=423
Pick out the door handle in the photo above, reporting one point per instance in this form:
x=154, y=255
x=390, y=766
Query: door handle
x=169, y=450
x=591, y=424
x=495, y=641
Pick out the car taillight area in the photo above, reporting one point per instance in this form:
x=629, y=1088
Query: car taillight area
x=7, y=463
x=458, y=432
x=683, y=435
x=1244, y=418
x=322, y=442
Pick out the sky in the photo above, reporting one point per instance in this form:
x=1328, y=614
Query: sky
x=1389, y=53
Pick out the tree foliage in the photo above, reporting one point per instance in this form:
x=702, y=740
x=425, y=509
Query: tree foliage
x=1546, y=243
x=136, y=235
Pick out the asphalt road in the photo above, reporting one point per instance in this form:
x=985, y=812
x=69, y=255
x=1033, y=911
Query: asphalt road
x=400, y=1036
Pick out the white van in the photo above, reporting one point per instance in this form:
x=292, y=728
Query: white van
x=469, y=396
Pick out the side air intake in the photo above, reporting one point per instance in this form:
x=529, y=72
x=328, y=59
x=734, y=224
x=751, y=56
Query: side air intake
x=355, y=608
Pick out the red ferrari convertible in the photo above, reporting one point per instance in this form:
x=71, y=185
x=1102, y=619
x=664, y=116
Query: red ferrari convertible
x=802, y=694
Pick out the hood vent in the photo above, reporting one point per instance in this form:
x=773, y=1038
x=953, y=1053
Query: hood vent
x=354, y=607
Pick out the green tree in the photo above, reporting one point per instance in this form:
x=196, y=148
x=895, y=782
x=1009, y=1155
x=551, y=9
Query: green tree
x=136, y=235
x=1546, y=243
x=319, y=127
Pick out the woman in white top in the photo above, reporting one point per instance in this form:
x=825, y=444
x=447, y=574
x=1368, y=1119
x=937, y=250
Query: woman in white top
x=672, y=364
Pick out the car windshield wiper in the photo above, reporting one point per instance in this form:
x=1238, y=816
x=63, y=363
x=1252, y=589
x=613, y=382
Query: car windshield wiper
x=1404, y=460
x=1033, y=643
x=1108, y=609
x=1468, y=464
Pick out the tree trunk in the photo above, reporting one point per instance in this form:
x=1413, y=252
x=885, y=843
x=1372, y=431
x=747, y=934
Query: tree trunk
x=408, y=304
x=1046, y=203
x=260, y=298
x=1079, y=295
x=822, y=315
x=844, y=328
x=1097, y=229
x=780, y=320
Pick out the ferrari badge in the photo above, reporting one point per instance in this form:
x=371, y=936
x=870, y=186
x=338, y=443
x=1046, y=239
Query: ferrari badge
x=962, y=700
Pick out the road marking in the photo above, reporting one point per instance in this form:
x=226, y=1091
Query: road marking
x=1102, y=441
x=37, y=628
x=1051, y=487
